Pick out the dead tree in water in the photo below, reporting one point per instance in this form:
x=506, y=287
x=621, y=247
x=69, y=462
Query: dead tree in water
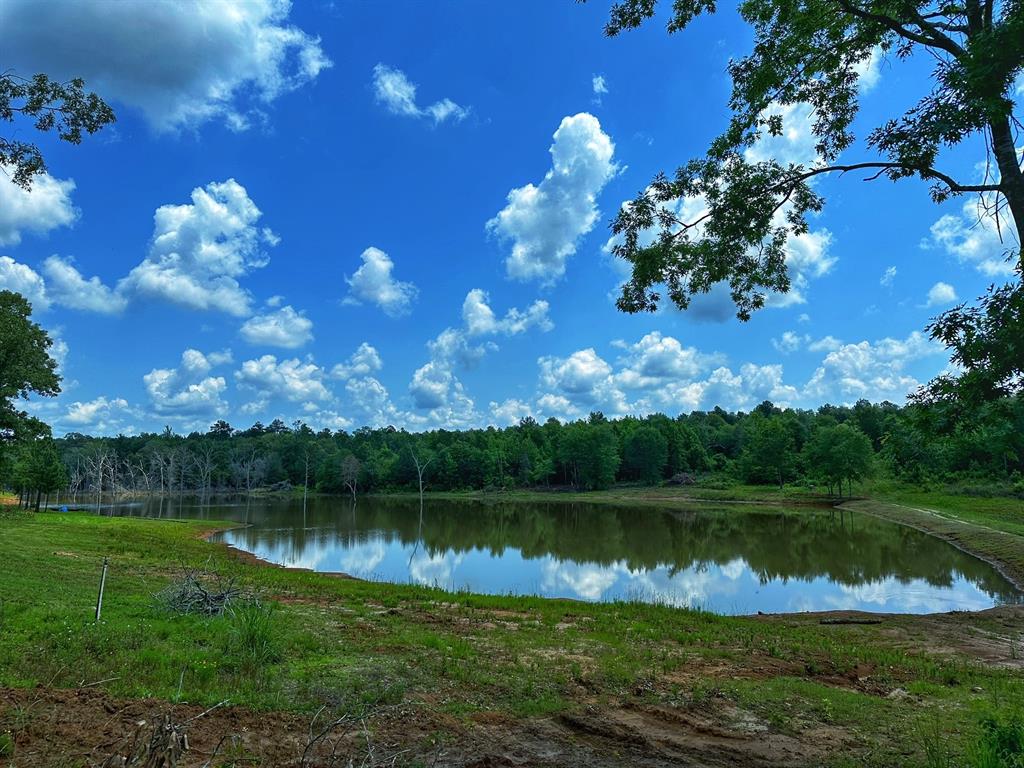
x=350, y=474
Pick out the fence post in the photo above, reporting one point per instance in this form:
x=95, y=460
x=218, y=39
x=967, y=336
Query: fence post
x=103, y=582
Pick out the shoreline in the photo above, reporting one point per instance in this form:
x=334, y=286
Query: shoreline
x=885, y=510
x=1013, y=573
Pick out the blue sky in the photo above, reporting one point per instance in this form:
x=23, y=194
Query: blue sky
x=397, y=213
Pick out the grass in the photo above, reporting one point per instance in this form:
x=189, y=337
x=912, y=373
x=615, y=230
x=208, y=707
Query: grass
x=311, y=639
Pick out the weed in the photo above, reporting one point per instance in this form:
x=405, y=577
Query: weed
x=6, y=745
x=252, y=637
x=1000, y=743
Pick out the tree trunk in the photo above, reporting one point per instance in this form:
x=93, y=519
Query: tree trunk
x=1011, y=179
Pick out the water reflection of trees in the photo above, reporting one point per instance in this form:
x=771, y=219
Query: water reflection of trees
x=846, y=548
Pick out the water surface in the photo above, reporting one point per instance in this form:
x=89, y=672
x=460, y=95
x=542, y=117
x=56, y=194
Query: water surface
x=733, y=560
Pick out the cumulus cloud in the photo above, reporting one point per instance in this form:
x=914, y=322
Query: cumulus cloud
x=225, y=61
x=584, y=379
x=397, y=94
x=69, y=288
x=188, y=391
x=201, y=249
x=656, y=360
x=99, y=416
x=941, y=294
x=282, y=328
x=46, y=207
x=876, y=371
x=22, y=279
x=435, y=387
x=294, y=380
x=790, y=342
x=546, y=221
x=363, y=362
x=373, y=283
x=510, y=411
x=481, y=320
x=826, y=344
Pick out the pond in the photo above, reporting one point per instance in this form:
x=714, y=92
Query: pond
x=736, y=560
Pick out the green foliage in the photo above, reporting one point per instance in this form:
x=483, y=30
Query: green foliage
x=769, y=453
x=590, y=454
x=839, y=453
x=987, y=344
x=50, y=105
x=1000, y=743
x=645, y=455
x=810, y=53
x=6, y=746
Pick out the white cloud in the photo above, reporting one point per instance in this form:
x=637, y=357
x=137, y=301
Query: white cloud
x=373, y=283
x=293, y=380
x=826, y=344
x=398, y=95
x=510, y=412
x=200, y=250
x=578, y=383
x=598, y=84
x=46, y=207
x=100, y=416
x=430, y=385
x=362, y=362
x=22, y=279
x=973, y=238
x=888, y=277
x=181, y=63
x=188, y=392
x=68, y=288
x=546, y=221
x=656, y=360
x=941, y=294
x=480, y=319
x=282, y=328
x=876, y=371
x=790, y=342
x=869, y=70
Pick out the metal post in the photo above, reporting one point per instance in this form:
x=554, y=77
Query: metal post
x=103, y=582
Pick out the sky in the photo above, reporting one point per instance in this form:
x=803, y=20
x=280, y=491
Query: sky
x=398, y=213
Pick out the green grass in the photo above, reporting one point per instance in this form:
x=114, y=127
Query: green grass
x=313, y=640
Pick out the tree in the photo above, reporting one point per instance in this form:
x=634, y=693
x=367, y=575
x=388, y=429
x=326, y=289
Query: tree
x=987, y=343
x=66, y=107
x=743, y=211
x=769, y=453
x=645, y=454
x=838, y=453
x=26, y=367
x=590, y=454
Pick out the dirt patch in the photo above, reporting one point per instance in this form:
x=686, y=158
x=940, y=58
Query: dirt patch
x=54, y=727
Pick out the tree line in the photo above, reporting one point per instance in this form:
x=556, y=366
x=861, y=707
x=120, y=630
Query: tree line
x=828, y=449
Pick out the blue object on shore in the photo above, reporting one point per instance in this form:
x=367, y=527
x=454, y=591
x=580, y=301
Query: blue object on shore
x=63, y=507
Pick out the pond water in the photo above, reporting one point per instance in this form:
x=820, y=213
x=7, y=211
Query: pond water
x=735, y=560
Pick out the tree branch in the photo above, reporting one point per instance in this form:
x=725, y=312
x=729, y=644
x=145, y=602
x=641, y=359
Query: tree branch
x=934, y=39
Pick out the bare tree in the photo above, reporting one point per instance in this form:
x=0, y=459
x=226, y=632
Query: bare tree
x=350, y=468
x=421, y=467
x=203, y=459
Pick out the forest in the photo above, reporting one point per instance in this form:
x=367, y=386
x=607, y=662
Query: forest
x=829, y=450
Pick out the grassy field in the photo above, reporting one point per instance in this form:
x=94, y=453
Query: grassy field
x=623, y=679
